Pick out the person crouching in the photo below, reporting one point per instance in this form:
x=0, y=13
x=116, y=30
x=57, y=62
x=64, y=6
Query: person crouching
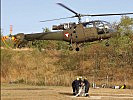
x=80, y=87
x=87, y=86
x=76, y=84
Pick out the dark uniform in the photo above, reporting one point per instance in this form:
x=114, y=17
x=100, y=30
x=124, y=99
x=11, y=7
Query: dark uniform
x=87, y=86
x=75, y=85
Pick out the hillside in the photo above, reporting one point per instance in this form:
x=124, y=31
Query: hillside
x=112, y=65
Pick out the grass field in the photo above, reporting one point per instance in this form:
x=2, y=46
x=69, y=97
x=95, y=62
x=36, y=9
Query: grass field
x=27, y=92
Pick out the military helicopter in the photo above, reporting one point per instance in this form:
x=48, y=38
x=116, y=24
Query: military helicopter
x=71, y=32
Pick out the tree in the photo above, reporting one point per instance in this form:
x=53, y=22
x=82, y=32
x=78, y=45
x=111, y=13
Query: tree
x=125, y=25
x=46, y=29
x=40, y=43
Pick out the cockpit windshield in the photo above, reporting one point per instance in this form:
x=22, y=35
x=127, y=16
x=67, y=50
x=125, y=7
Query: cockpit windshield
x=98, y=24
x=102, y=26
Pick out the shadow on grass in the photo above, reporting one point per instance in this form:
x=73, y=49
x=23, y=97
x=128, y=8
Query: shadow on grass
x=66, y=93
x=27, y=89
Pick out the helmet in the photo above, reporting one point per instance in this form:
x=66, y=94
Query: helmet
x=85, y=78
x=79, y=78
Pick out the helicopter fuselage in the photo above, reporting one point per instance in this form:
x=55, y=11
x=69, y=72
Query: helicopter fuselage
x=78, y=33
x=83, y=32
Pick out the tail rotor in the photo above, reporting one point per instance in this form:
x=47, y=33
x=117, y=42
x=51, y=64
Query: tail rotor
x=9, y=40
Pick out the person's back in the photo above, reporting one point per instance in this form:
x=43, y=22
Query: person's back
x=87, y=86
x=75, y=85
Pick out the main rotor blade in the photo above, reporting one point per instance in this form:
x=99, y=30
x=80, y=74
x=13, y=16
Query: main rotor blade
x=107, y=14
x=57, y=19
x=67, y=8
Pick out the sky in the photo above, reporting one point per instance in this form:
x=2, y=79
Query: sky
x=25, y=15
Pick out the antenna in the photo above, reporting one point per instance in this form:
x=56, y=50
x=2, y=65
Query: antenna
x=11, y=29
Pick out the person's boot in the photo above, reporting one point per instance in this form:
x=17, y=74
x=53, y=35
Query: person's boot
x=86, y=94
x=74, y=93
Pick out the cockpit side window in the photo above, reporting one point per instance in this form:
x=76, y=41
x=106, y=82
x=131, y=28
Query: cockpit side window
x=88, y=25
x=99, y=25
x=107, y=25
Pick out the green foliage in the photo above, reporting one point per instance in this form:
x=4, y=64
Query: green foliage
x=69, y=62
x=126, y=25
x=41, y=43
x=46, y=29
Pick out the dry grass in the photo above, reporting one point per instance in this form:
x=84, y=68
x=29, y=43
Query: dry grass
x=26, y=92
x=60, y=67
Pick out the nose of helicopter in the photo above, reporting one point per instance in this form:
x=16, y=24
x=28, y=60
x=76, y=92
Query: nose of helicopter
x=113, y=32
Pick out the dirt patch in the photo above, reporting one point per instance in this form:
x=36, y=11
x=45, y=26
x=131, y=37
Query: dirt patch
x=24, y=92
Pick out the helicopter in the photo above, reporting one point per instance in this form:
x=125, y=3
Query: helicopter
x=74, y=33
